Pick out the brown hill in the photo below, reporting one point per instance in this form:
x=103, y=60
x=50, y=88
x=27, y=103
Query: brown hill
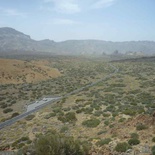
x=17, y=71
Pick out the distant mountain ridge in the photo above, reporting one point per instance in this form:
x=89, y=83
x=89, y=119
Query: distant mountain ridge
x=12, y=40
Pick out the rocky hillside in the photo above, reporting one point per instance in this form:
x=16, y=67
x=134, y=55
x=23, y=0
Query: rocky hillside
x=12, y=41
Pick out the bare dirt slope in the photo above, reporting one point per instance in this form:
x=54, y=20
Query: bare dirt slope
x=17, y=71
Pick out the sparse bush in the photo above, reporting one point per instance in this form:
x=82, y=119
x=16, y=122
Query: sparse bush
x=57, y=110
x=141, y=127
x=122, y=119
x=15, y=114
x=30, y=117
x=130, y=112
x=29, y=141
x=88, y=110
x=7, y=110
x=92, y=123
x=64, y=129
x=106, y=122
x=97, y=113
x=3, y=106
x=21, y=145
x=79, y=111
x=67, y=109
x=50, y=115
x=68, y=117
x=122, y=147
x=153, y=150
x=106, y=114
x=13, y=102
x=24, y=139
x=133, y=141
x=57, y=144
x=134, y=135
x=153, y=139
x=103, y=141
x=21, y=142
x=101, y=132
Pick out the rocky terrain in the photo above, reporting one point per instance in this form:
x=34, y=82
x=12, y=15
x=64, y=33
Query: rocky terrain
x=113, y=117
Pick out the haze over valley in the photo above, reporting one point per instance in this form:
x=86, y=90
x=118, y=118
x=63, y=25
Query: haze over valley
x=77, y=77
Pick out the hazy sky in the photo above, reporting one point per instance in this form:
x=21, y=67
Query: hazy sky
x=114, y=20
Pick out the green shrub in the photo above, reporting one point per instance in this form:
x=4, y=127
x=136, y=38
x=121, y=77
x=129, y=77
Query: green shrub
x=106, y=114
x=21, y=142
x=53, y=143
x=15, y=114
x=92, y=123
x=57, y=110
x=24, y=139
x=67, y=109
x=111, y=125
x=133, y=141
x=3, y=106
x=114, y=114
x=88, y=110
x=141, y=127
x=153, y=150
x=122, y=119
x=79, y=111
x=122, y=147
x=134, y=135
x=106, y=122
x=101, y=132
x=103, y=141
x=29, y=141
x=20, y=145
x=50, y=115
x=7, y=110
x=13, y=102
x=64, y=128
x=153, y=139
x=130, y=112
x=30, y=117
x=68, y=117
x=97, y=113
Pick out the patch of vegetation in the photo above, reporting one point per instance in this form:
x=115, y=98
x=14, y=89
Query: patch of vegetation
x=153, y=150
x=21, y=142
x=64, y=129
x=53, y=143
x=30, y=117
x=122, y=147
x=50, y=115
x=134, y=135
x=141, y=127
x=68, y=117
x=101, y=132
x=15, y=114
x=153, y=139
x=7, y=110
x=103, y=142
x=91, y=123
x=133, y=141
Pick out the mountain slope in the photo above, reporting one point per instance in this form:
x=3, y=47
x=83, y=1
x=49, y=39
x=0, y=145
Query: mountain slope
x=17, y=42
x=17, y=71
